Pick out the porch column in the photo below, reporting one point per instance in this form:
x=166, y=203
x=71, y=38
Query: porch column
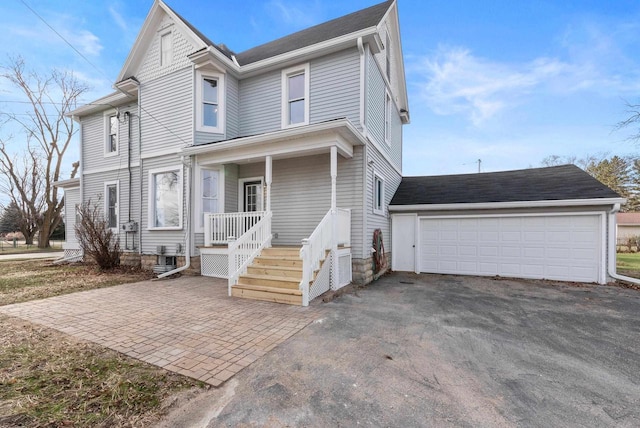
x=334, y=174
x=267, y=173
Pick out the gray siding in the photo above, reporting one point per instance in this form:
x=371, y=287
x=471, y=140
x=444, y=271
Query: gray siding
x=167, y=116
x=71, y=199
x=93, y=193
x=392, y=180
x=232, y=107
x=231, y=188
x=334, y=87
x=375, y=114
x=260, y=103
x=94, y=139
x=169, y=238
x=301, y=195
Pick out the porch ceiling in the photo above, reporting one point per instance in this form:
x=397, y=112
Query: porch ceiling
x=287, y=143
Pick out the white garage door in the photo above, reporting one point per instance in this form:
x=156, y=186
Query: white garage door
x=566, y=248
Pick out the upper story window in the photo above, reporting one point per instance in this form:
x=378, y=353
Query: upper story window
x=210, y=96
x=295, y=96
x=166, y=49
x=111, y=134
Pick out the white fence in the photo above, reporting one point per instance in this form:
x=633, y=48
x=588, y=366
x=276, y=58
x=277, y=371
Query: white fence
x=243, y=250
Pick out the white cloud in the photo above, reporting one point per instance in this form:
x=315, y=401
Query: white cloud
x=118, y=19
x=296, y=15
x=456, y=82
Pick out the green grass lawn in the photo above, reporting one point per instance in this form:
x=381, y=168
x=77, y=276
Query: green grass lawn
x=629, y=264
x=6, y=247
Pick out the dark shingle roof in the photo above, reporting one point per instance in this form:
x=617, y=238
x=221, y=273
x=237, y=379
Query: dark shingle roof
x=536, y=184
x=353, y=22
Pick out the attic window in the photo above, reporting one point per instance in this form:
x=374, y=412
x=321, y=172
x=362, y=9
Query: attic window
x=166, y=49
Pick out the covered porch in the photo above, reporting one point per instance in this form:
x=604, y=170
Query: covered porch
x=276, y=190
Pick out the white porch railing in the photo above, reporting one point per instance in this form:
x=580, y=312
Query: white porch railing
x=218, y=227
x=334, y=229
x=243, y=250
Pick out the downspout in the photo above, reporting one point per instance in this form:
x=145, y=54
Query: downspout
x=140, y=170
x=612, y=249
x=187, y=251
x=128, y=116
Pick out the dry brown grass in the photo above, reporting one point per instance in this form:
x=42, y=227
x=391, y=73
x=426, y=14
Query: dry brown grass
x=49, y=379
x=36, y=279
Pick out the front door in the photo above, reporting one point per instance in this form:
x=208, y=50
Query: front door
x=252, y=200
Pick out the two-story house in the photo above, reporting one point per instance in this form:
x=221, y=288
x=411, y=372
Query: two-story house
x=272, y=167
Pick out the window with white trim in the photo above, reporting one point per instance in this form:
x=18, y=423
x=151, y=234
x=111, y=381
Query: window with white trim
x=378, y=194
x=111, y=134
x=111, y=204
x=210, y=96
x=166, y=49
x=387, y=118
x=295, y=96
x=209, y=192
x=165, y=188
x=388, y=56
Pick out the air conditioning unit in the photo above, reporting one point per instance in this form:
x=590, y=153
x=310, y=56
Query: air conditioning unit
x=161, y=249
x=130, y=226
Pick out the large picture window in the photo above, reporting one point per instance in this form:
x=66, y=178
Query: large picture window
x=295, y=96
x=166, y=199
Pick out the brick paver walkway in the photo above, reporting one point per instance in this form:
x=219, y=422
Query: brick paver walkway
x=187, y=325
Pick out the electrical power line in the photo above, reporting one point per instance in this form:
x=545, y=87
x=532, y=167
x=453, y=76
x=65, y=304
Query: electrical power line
x=102, y=73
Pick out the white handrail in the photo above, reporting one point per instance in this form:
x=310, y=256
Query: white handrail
x=218, y=227
x=314, y=250
x=243, y=250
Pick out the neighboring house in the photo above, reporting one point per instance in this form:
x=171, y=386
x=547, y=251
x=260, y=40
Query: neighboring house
x=628, y=227
x=204, y=157
x=544, y=223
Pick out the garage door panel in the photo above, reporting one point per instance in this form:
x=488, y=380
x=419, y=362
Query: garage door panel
x=563, y=247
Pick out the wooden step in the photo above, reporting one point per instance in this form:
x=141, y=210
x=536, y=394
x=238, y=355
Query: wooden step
x=277, y=290
x=269, y=281
x=277, y=261
x=290, y=272
x=265, y=295
x=281, y=251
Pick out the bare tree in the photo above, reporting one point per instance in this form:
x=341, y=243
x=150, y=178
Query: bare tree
x=29, y=173
x=633, y=119
x=97, y=240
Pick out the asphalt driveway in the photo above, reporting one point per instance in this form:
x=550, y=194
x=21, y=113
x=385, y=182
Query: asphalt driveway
x=431, y=350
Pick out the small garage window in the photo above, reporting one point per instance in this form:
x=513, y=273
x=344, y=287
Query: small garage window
x=378, y=194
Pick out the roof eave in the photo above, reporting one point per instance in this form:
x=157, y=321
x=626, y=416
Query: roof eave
x=503, y=205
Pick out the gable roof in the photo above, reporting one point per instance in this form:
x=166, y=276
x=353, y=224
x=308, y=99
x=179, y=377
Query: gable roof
x=565, y=182
x=360, y=20
x=628, y=219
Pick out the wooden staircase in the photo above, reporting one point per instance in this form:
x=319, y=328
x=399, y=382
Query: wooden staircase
x=274, y=276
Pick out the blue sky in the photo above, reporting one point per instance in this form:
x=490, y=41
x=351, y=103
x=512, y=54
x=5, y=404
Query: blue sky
x=507, y=82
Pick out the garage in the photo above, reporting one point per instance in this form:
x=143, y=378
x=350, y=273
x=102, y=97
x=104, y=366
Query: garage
x=543, y=223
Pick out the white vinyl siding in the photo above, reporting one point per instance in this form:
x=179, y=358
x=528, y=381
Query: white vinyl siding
x=260, y=104
x=166, y=118
x=381, y=167
x=71, y=203
x=335, y=87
